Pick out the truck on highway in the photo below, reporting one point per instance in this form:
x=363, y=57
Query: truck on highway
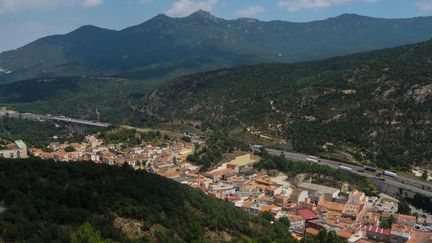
x=341, y=167
x=369, y=168
x=389, y=173
x=311, y=160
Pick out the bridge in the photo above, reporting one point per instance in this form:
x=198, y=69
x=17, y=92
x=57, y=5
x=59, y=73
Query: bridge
x=74, y=125
x=72, y=120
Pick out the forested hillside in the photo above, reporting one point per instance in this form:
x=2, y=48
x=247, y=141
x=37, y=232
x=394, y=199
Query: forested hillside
x=374, y=107
x=45, y=201
x=80, y=97
x=165, y=47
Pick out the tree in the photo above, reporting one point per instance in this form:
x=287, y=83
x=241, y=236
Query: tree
x=425, y=175
x=69, y=149
x=86, y=234
x=387, y=223
x=281, y=226
x=403, y=207
x=267, y=215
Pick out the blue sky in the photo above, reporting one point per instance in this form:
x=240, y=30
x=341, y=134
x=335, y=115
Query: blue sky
x=22, y=21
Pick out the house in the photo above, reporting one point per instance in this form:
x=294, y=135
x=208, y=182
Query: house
x=403, y=219
x=357, y=197
x=307, y=214
x=307, y=203
x=400, y=233
x=330, y=206
x=218, y=173
x=312, y=231
x=345, y=234
x=296, y=220
x=370, y=218
x=420, y=236
x=320, y=224
x=299, y=195
x=281, y=200
x=14, y=151
x=273, y=209
x=375, y=233
x=353, y=209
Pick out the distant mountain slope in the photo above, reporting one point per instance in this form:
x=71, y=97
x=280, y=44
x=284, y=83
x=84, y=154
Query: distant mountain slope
x=165, y=46
x=47, y=201
x=374, y=107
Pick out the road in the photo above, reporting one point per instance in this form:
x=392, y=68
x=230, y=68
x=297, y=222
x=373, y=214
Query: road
x=399, y=182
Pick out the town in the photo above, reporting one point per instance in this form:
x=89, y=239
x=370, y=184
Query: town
x=352, y=215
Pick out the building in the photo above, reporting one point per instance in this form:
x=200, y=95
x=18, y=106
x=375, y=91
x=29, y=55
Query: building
x=330, y=206
x=406, y=220
x=377, y=233
x=307, y=214
x=328, y=192
x=14, y=151
x=241, y=162
x=400, y=233
x=296, y=220
x=299, y=195
x=358, y=197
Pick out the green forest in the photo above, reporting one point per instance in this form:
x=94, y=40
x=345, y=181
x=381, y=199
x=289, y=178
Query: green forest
x=33, y=133
x=46, y=201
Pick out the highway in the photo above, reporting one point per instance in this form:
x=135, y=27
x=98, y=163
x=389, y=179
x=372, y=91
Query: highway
x=399, y=182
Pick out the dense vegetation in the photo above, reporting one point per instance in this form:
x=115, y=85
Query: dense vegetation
x=131, y=137
x=78, y=97
x=372, y=107
x=422, y=202
x=293, y=168
x=47, y=201
x=33, y=133
x=216, y=145
x=203, y=42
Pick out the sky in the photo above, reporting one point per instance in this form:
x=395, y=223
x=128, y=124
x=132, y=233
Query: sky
x=23, y=21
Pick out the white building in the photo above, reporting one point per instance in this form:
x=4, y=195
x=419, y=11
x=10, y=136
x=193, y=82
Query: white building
x=15, y=151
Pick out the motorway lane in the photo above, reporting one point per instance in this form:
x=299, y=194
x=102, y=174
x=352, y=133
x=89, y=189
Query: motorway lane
x=400, y=182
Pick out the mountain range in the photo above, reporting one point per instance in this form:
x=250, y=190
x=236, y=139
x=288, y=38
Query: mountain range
x=373, y=107
x=165, y=47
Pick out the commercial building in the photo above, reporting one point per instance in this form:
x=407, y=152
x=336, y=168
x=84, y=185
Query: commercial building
x=14, y=151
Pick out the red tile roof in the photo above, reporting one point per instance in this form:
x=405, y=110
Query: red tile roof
x=372, y=228
x=307, y=213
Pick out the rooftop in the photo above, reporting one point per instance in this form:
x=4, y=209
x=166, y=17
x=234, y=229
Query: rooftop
x=307, y=214
x=318, y=188
x=333, y=206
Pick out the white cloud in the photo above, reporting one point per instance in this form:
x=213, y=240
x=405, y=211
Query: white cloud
x=295, y=5
x=424, y=5
x=7, y=6
x=185, y=7
x=92, y=3
x=250, y=11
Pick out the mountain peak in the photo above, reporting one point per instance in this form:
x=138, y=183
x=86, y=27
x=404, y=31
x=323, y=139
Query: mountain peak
x=201, y=14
